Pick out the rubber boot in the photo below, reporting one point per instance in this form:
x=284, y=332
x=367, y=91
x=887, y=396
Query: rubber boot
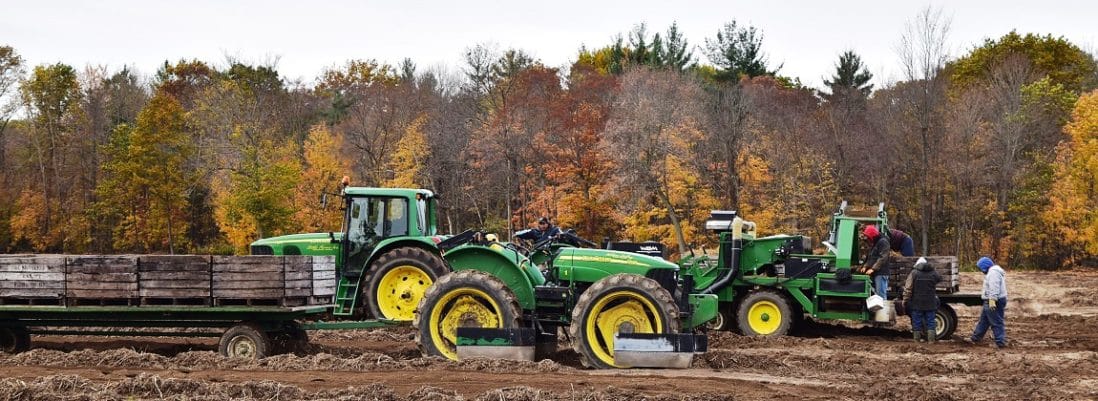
x=918, y=336
x=931, y=336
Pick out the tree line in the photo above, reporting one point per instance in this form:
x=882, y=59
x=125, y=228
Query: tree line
x=992, y=152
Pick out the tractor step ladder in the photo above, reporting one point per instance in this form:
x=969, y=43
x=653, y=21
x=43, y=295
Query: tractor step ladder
x=346, y=297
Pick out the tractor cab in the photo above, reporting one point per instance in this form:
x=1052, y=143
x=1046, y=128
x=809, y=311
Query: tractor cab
x=375, y=215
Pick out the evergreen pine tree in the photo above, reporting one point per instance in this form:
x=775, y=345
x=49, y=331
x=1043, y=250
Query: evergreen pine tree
x=851, y=75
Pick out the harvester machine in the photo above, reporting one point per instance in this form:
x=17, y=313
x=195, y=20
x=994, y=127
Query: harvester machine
x=768, y=285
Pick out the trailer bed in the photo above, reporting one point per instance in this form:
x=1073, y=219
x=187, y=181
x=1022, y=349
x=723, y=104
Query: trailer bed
x=166, y=280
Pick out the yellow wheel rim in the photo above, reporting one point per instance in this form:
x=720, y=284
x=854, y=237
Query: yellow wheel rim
x=462, y=307
x=399, y=292
x=622, y=311
x=764, y=317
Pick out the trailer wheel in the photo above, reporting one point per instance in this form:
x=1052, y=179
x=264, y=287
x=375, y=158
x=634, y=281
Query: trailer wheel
x=466, y=298
x=291, y=340
x=765, y=313
x=626, y=303
x=396, y=282
x=245, y=341
x=945, y=322
x=14, y=340
x=724, y=319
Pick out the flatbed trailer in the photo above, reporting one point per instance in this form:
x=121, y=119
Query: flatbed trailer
x=257, y=305
x=245, y=331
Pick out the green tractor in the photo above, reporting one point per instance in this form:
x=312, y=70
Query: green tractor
x=768, y=285
x=619, y=309
x=386, y=254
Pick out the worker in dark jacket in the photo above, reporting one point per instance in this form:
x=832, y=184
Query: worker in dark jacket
x=546, y=229
x=921, y=299
x=876, y=264
x=901, y=242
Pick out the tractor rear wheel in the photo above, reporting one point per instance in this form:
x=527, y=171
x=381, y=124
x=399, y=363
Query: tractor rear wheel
x=396, y=281
x=622, y=303
x=765, y=313
x=14, y=340
x=945, y=320
x=466, y=298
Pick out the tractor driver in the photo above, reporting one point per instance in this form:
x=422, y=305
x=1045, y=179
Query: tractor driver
x=546, y=229
x=876, y=264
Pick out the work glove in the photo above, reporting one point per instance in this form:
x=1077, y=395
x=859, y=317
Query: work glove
x=992, y=304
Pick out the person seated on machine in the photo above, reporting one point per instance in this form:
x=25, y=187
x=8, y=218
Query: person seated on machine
x=544, y=231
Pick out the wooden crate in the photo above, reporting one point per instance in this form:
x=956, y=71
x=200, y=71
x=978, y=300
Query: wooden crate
x=175, y=279
x=248, y=277
x=101, y=277
x=166, y=280
x=25, y=279
x=946, y=266
x=324, y=276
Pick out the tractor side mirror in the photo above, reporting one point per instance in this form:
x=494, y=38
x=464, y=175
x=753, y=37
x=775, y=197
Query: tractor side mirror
x=323, y=200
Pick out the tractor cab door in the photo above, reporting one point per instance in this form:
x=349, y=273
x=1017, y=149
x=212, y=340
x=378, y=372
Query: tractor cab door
x=371, y=219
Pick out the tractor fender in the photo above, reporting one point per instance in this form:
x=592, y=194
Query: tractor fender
x=389, y=244
x=506, y=265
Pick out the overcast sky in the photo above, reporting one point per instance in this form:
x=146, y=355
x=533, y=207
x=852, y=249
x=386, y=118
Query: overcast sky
x=307, y=36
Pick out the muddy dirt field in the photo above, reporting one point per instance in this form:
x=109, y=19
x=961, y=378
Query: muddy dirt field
x=1051, y=325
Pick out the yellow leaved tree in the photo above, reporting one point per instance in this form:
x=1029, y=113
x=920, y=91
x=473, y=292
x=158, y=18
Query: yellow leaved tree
x=406, y=164
x=323, y=169
x=1074, y=193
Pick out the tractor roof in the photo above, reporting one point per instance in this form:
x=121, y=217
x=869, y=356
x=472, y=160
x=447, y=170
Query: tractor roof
x=401, y=192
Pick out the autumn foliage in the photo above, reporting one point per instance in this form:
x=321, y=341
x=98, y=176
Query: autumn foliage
x=991, y=153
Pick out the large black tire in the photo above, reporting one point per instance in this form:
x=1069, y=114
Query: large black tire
x=397, y=280
x=945, y=322
x=245, y=340
x=765, y=313
x=291, y=340
x=655, y=304
x=466, y=298
x=14, y=340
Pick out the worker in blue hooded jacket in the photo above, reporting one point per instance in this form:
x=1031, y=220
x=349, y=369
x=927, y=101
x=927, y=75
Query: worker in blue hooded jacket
x=995, y=301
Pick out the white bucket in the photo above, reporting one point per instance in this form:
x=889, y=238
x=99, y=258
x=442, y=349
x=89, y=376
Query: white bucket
x=874, y=303
x=883, y=315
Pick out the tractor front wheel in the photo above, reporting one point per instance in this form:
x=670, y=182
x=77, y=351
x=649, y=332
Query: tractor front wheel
x=462, y=299
x=396, y=281
x=622, y=303
x=765, y=313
